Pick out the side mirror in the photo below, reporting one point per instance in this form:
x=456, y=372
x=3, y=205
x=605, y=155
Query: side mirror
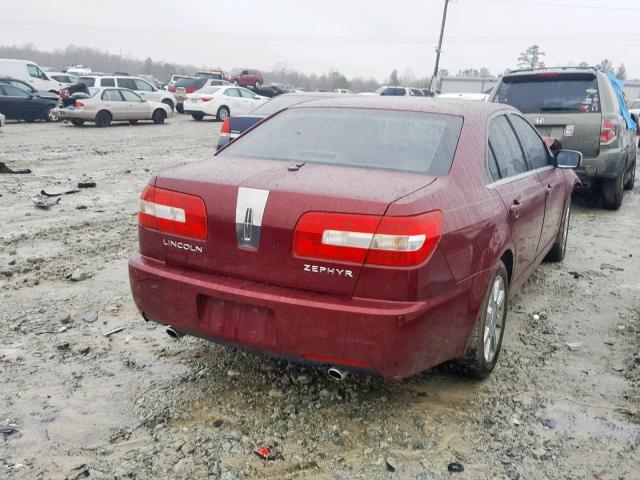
x=634, y=117
x=568, y=158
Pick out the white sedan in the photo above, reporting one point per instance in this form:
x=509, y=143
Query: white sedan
x=222, y=102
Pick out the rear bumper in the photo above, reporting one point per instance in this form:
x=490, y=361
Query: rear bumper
x=72, y=114
x=395, y=339
x=608, y=164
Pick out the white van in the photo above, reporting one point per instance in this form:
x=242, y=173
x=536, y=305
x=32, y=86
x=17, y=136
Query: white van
x=28, y=72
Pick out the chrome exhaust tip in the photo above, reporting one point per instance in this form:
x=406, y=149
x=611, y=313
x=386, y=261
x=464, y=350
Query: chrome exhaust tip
x=336, y=374
x=175, y=333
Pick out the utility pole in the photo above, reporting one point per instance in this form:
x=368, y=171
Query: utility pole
x=439, y=49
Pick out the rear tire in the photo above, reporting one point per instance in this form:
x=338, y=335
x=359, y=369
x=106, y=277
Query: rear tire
x=159, y=116
x=223, y=114
x=77, y=123
x=180, y=108
x=559, y=248
x=485, y=342
x=612, y=192
x=197, y=116
x=170, y=104
x=632, y=178
x=103, y=119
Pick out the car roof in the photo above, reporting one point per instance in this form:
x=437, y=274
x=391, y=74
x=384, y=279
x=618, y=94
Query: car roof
x=411, y=104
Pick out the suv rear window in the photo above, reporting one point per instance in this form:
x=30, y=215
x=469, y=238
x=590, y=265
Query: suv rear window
x=88, y=81
x=380, y=139
x=549, y=92
x=191, y=82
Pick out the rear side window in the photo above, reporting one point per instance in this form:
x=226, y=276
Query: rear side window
x=88, y=81
x=127, y=83
x=531, y=142
x=108, y=82
x=111, y=96
x=379, y=139
x=130, y=96
x=12, y=91
x=232, y=92
x=548, y=92
x=505, y=146
x=143, y=86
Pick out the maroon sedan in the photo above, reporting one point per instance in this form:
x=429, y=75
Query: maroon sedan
x=376, y=233
x=247, y=78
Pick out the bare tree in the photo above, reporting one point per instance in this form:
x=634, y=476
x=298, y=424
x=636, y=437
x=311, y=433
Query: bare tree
x=621, y=73
x=407, y=78
x=531, y=57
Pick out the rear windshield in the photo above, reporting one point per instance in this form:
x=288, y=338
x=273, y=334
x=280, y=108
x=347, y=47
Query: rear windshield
x=574, y=93
x=217, y=75
x=88, y=81
x=191, y=82
x=380, y=139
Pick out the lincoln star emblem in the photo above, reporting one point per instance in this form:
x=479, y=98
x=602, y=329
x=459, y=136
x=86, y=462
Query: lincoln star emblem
x=249, y=212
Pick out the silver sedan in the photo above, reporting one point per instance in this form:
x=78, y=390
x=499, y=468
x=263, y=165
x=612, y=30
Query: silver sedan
x=105, y=105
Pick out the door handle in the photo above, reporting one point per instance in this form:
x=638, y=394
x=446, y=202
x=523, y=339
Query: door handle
x=514, y=209
x=548, y=190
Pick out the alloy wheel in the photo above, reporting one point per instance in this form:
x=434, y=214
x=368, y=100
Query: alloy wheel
x=494, y=319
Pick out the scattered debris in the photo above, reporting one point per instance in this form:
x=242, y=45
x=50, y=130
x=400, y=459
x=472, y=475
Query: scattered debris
x=89, y=317
x=63, y=346
x=5, y=169
x=613, y=268
x=266, y=453
x=68, y=192
x=42, y=201
x=550, y=423
x=576, y=275
x=115, y=330
x=574, y=346
x=455, y=467
x=78, y=275
x=86, y=184
x=391, y=464
x=8, y=430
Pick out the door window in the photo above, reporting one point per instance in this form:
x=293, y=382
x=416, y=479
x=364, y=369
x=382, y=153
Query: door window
x=493, y=173
x=33, y=71
x=127, y=83
x=25, y=87
x=108, y=82
x=130, y=96
x=531, y=142
x=506, y=148
x=111, y=96
x=142, y=85
x=11, y=91
x=232, y=92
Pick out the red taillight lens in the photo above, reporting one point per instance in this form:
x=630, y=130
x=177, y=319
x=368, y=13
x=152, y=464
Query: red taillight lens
x=173, y=212
x=206, y=99
x=397, y=241
x=609, y=131
x=78, y=104
x=225, y=129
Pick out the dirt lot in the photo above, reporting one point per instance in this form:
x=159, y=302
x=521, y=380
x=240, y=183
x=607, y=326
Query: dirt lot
x=564, y=402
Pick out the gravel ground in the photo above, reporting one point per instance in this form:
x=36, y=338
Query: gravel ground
x=563, y=403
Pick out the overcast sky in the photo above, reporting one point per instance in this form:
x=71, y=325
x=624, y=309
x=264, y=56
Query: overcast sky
x=357, y=37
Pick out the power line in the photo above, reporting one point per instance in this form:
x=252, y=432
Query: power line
x=567, y=5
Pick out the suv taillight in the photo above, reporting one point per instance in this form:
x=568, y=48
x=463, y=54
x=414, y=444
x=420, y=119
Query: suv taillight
x=609, y=131
x=173, y=212
x=225, y=130
x=396, y=241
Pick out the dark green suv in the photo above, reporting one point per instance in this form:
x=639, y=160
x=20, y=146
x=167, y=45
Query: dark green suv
x=578, y=107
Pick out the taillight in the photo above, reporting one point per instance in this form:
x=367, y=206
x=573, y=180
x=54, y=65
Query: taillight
x=78, y=104
x=225, y=129
x=173, y=212
x=206, y=99
x=609, y=131
x=397, y=241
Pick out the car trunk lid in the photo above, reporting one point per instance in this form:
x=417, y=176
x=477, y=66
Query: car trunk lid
x=578, y=132
x=254, y=205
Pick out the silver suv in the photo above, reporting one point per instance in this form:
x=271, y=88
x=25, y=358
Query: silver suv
x=579, y=107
